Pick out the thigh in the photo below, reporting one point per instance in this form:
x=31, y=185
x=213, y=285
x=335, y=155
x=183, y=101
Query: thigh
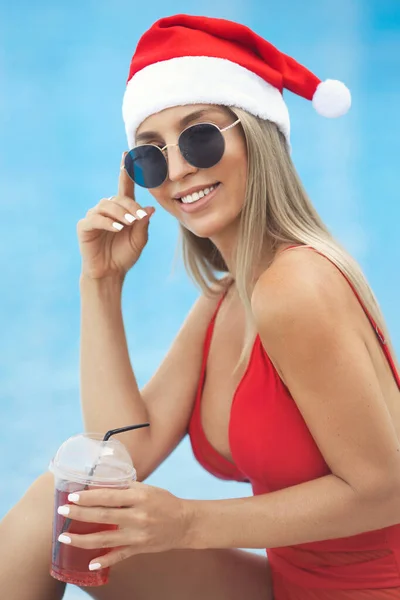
x=25, y=546
x=195, y=574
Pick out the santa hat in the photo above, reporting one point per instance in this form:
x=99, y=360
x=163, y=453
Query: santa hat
x=187, y=59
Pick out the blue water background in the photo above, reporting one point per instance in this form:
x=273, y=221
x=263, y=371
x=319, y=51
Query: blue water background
x=62, y=74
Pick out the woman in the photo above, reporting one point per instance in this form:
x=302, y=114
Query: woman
x=283, y=373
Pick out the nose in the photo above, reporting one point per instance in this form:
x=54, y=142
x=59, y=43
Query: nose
x=178, y=167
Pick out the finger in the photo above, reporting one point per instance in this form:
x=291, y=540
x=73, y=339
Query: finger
x=112, y=558
x=122, y=208
x=108, y=497
x=96, y=514
x=97, y=221
x=126, y=186
x=101, y=539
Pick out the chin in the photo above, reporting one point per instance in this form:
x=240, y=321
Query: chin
x=212, y=228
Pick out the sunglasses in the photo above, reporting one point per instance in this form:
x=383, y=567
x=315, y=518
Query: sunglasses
x=201, y=145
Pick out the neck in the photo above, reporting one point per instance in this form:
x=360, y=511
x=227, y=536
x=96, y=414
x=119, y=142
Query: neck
x=226, y=242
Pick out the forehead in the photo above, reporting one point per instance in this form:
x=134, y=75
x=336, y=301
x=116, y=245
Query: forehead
x=179, y=116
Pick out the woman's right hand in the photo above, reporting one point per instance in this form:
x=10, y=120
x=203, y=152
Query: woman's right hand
x=107, y=249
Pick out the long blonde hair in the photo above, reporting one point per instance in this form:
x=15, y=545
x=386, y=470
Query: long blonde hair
x=276, y=208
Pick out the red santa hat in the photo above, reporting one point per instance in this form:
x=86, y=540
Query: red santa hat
x=186, y=59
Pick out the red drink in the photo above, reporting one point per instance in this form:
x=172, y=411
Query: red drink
x=69, y=563
x=85, y=461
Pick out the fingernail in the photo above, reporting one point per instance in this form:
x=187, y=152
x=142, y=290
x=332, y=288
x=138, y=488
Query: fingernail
x=141, y=213
x=63, y=510
x=94, y=566
x=73, y=497
x=118, y=226
x=64, y=539
x=130, y=218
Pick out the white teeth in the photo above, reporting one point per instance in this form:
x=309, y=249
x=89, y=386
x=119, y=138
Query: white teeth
x=197, y=195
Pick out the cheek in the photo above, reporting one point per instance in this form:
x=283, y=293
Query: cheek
x=161, y=197
x=236, y=169
x=236, y=154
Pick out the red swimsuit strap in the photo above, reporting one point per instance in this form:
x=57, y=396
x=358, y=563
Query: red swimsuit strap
x=377, y=329
x=210, y=328
x=220, y=466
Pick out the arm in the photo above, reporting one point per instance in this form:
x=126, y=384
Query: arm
x=109, y=392
x=322, y=509
x=310, y=332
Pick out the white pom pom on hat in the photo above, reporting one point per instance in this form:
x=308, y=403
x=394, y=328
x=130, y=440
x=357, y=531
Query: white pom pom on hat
x=186, y=59
x=331, y=98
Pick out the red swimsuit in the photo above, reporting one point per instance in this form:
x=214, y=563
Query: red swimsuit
x=272, y=449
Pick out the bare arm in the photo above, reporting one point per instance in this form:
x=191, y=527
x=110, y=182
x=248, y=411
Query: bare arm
x=109, y=392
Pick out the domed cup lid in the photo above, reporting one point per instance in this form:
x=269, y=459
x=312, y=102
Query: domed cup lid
x=87, y=458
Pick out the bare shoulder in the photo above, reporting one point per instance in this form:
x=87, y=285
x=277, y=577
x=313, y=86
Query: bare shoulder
x=301, y=285
x=305, y=313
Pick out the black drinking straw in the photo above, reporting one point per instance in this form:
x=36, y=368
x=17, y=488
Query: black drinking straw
x=91, y=472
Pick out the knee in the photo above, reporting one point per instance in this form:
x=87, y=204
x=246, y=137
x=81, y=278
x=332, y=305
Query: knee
x=33, y=514
x=44, y=482
x=37, y=503
x=41, y=492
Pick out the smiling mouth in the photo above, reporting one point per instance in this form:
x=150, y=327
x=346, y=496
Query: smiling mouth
x=196, y=196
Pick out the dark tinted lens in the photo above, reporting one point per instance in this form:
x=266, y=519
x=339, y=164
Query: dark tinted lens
x=147, y=166
x=202, y=145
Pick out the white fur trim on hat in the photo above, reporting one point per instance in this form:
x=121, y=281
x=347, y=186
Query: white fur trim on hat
x=200, y=80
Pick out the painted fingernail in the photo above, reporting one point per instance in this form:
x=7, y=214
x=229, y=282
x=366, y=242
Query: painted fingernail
x=118, y=226
x=64, y=539
x=94, y=566
x=130, y=218
x=141, y=213
x=73, y=497
x=63, y=510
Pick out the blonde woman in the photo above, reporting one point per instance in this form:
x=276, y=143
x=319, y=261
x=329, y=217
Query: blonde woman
x=283, y=373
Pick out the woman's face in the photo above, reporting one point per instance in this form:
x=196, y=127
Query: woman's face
x=219, y=209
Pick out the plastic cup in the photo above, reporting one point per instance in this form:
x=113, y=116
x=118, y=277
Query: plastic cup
x=85, y=461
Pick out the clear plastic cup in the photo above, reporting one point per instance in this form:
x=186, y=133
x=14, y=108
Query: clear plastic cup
x=85, y=461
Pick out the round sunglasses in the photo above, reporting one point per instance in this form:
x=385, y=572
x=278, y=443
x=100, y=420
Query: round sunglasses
x=201, y=145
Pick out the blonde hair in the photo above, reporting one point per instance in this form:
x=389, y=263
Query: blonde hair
x=277, y=209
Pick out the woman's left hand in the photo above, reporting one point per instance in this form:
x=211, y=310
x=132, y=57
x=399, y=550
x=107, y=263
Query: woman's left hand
x=149, y=519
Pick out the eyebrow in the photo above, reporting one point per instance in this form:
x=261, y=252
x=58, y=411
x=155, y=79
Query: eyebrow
x=197, y=114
